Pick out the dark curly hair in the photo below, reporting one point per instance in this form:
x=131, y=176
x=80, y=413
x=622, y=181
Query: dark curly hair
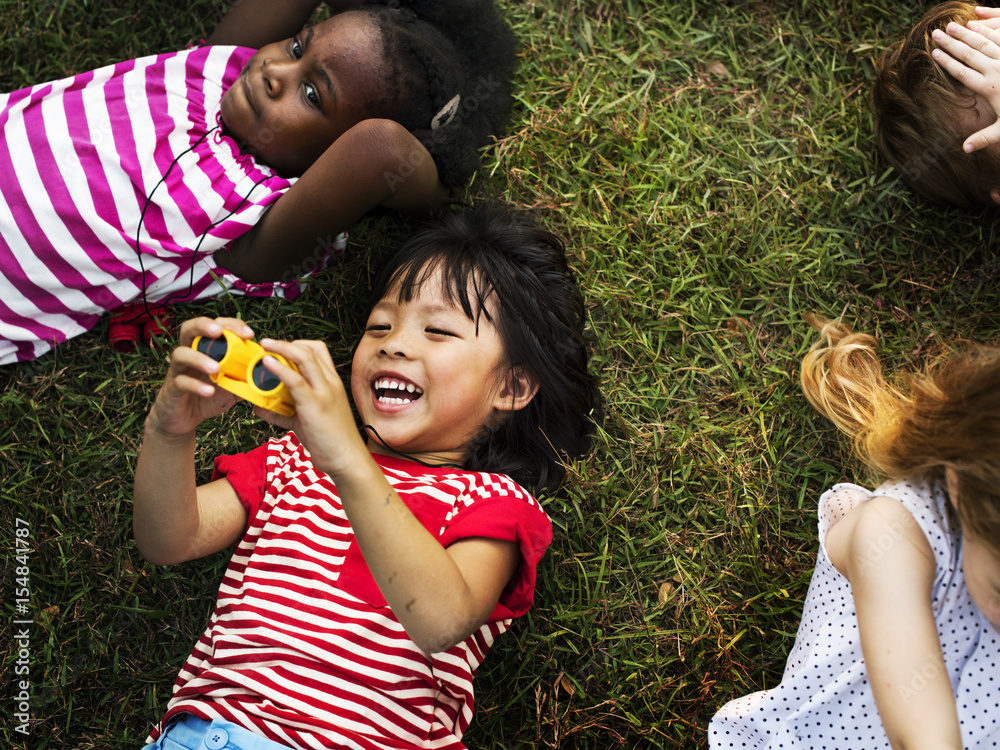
x=539, y=314
x=438, y=50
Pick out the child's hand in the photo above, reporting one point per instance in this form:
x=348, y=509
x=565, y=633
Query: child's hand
x=989, y=15
x=323, y=419
x=971, y=55
x=188, y=397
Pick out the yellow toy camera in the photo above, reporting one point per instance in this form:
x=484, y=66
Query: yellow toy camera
x=242, y=372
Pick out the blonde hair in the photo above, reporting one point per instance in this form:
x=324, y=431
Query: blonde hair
x=918, y=424
x=918, y=118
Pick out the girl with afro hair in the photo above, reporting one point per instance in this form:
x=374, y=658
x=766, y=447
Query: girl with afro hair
x=236, y=166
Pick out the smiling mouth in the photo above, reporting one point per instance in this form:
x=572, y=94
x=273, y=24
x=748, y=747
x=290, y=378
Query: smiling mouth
x=393, y=391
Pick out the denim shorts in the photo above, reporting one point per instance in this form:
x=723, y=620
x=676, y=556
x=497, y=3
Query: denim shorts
x=188, y=732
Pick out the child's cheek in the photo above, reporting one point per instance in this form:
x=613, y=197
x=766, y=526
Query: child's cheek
x=227, y=111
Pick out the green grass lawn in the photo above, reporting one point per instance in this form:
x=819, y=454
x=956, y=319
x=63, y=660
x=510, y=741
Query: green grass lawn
x=712, y=168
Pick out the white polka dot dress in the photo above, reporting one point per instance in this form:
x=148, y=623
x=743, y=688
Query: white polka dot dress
x=824, y=700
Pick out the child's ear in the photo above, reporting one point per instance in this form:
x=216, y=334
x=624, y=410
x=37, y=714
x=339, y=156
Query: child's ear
x=516, y=391
x=995, y=195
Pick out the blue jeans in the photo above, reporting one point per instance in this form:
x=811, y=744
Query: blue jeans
x=188, y=732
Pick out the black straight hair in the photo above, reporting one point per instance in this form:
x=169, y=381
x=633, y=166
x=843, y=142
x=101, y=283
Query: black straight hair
x=495, y=258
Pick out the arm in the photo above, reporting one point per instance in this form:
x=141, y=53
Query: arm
x=440, y=595
x=173, y=519
x=972, y=57
x=881, y=550
x=255, y=23
x=375, y=163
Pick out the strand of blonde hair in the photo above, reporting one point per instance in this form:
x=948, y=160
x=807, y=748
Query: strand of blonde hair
x=842, y=377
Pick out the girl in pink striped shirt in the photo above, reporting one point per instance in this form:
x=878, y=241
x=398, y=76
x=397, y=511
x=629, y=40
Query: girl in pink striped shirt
x=373, y=570
x=158, y=179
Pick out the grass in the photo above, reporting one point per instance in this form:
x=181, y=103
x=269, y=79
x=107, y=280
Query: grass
x=713, y=170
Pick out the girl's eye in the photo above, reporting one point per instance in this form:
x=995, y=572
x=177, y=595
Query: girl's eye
x=375, y=327
x=440, y=332
x=312, y=95
x=296, y=49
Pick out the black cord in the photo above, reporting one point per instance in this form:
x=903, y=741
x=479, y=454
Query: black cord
x=407, y=456
x=142, y=217
x=147, y=310
x=194, y=253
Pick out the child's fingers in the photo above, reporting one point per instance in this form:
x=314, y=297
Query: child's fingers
x=966, y=45
x=989, y=23
x=959, y=71
x=184, y=359
x=300, y=349
x=320, y=357
x=195, y=327
x=302, y=382
x=318, y=348
x=983, y=138
x=196, y=386
x=966, y=42
x=988, y=13
x=212, y=328
x=237, y=326
x=988, y=31
x=963, y=64
x=286, y=374
x=316, y=385
x=311, y=357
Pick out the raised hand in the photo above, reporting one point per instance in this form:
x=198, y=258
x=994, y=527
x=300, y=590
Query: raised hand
x=187, y=396
x=971, y=55
x=323, y=419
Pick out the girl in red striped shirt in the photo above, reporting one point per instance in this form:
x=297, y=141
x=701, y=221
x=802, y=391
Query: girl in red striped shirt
x=374, y=569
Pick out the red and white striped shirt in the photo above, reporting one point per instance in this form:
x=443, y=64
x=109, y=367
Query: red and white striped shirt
x=302, y=648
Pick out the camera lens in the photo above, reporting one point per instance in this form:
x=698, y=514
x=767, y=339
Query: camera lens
x=214, y=348
x=263, y=379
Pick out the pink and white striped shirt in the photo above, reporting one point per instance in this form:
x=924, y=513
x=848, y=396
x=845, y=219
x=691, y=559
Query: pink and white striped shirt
x=83, y=160
x=302, y=648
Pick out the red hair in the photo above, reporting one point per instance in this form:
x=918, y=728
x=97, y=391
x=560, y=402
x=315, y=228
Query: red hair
x=919, y=424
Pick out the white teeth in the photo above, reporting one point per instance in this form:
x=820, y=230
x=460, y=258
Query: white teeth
x=387, y=384
x=387, y=400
